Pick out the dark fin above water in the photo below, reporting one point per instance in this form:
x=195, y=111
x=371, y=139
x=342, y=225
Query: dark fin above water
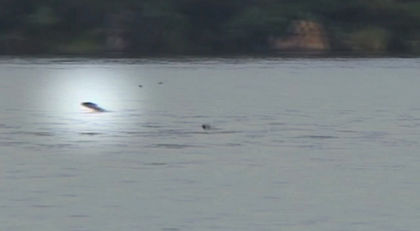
x=93, y=106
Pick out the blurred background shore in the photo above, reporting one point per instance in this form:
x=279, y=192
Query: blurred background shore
x=208, y=27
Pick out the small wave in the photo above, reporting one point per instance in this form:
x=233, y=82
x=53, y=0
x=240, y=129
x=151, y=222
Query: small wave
x=55, y=146
x=347, y=131
x=156, y=164
x=11, y=143
x=90, y=133
x=317, y=137
x=173, y=146
x=31, y=133
x=40, y=133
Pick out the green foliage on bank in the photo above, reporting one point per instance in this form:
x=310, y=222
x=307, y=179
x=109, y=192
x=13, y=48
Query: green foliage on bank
x=147, y=27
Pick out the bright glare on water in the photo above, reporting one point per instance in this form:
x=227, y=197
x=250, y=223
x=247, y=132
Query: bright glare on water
x=294, y=144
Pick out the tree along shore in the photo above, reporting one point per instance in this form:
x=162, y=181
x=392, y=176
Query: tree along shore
x=150, y=27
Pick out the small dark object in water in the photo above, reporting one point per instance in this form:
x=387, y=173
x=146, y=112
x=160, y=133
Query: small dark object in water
x=140, y=85
x=93, y=106
x=206, y=126
x=160, y=83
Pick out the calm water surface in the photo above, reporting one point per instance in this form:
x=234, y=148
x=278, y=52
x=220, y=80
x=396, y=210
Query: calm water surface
x=295, y=144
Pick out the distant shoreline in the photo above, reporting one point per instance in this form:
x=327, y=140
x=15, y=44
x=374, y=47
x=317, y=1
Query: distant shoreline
x=290, y=54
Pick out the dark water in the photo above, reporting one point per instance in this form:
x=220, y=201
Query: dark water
x=293, y=144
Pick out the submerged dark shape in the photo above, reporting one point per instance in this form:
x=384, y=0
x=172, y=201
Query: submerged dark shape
x=206, y=126
x=93, y=106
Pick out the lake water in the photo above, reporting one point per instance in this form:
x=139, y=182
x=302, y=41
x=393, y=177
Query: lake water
x=327, y=144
